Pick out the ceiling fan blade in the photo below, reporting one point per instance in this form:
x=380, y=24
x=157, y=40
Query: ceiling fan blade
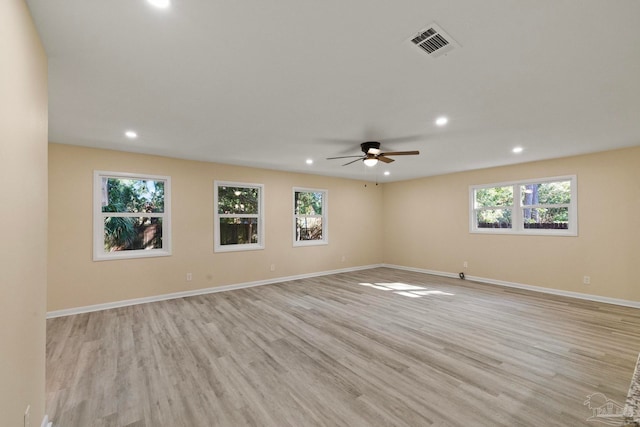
x=385, y=159
x=343, y=157
x=400, y=153
x=353, y=161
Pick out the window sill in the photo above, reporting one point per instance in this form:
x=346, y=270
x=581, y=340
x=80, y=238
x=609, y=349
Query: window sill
x=304, y=243
x=534, y=232
x=238, y=248
x=151, y=253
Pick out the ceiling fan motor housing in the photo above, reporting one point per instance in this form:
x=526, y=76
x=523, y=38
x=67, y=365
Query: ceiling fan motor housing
x=366, y=146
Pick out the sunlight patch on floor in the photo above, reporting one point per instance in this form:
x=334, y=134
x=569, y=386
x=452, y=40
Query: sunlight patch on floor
x=407, y=294
x=432, y=293
x=411, y=291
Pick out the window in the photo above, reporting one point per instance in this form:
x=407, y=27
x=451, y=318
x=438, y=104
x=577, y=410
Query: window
x=309, y=217
x=542, y=206
x=239, y=220
x=131, y=215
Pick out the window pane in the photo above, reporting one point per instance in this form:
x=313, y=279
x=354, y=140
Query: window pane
x=132, y=195
x=308, y=228
x=546, y=193
x=493, y=218
x=238, y=200
x=125, y=234
x=308, y=203
x=546, y=218
x=496, y=196
x=238, y=231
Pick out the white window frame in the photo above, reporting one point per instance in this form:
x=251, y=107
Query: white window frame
x=99, y=253
x=517, y=222
x=324, y=217
x=217, y=247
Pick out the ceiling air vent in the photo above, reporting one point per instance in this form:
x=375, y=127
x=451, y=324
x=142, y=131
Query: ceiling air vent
x=434, y=41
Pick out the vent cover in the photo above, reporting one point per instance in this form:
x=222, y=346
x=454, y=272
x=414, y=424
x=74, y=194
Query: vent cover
x=434, y=41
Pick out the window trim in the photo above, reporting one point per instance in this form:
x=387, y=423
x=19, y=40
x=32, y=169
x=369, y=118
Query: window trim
x=324, y=216
x=98, y=218
x=217, y=247
x=517, y=226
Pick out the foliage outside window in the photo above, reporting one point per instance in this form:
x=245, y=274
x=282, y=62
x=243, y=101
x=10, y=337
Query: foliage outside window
x=541, y=206
x=309, y=217
x=239, y=220
x=131, y=215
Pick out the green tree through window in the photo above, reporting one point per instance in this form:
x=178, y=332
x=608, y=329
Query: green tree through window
x=131, y=215
x=238, y=211
x=310, y=221
x=494, y=207
x=545, y=204
x=123, y=233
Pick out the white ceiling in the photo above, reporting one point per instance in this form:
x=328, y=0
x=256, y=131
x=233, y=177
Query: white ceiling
x=271, y=84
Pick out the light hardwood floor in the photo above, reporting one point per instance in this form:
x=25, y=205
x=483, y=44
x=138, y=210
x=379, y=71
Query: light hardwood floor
x=330, y=351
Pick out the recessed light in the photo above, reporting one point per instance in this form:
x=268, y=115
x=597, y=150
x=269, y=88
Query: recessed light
x=309, y=161
x=131, y=134
x=387, y=173
x=160, y=4
x=442, y=120
x=518, y=150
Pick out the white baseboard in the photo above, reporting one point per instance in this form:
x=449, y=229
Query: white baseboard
x=164, y=297
x=570, y=294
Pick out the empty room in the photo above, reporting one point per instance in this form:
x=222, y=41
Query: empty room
x=318, y=214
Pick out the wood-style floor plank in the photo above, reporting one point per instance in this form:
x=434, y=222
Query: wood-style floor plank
x=380, y=347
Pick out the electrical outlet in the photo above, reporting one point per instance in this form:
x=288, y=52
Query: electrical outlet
x=273, y=267
x=465, y=264
x=344, y=258
x=586, y=280
x=189, y=277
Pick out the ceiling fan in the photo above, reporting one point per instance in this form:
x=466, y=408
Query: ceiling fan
x=373, y=154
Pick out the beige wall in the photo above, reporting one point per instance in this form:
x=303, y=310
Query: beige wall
x=75, y=280
x=424, y=223
x=23, y=217
x=427, y=227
